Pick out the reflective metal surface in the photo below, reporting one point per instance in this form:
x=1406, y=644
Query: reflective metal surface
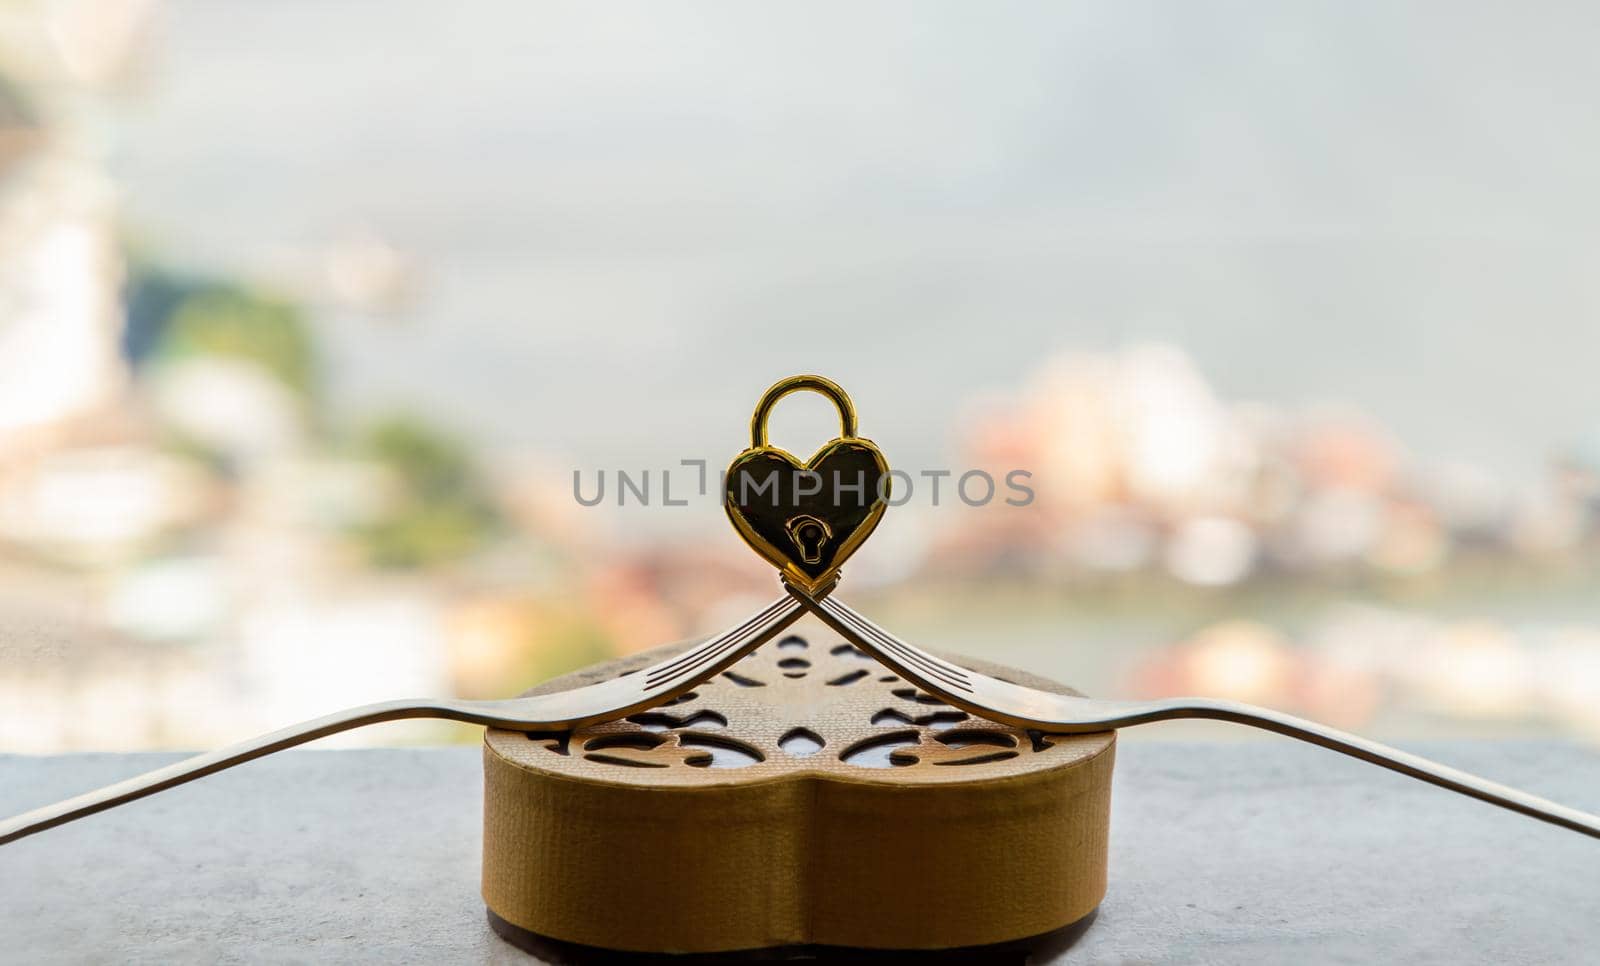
x=807, y=518
x=1026, y=707
x=604, y=701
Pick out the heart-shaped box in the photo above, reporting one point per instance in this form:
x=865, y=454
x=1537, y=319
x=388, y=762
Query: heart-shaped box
x=806, y=799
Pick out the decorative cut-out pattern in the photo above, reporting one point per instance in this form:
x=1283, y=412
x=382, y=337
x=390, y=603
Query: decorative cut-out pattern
x=970, y=746
x=719, y=751
x=912, y=694
x=662, y=721
x=882, y=751
x=801, y=742
x=794, y=702
x=556, y=741
x=937, y=720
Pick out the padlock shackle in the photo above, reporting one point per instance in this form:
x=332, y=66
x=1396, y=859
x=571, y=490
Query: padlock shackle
x=817, y=384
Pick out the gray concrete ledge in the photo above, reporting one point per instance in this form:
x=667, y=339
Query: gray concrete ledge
x=1264, y=852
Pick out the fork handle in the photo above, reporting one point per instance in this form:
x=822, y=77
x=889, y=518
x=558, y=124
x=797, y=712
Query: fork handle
x=1058, y=713
x=1376, y=753
x=211, y=762
x=601, y=701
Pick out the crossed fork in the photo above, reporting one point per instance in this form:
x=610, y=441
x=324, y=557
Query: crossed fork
x=969, y=690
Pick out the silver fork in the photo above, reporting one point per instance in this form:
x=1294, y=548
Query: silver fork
x=970, y=690
x=1026, y=707
x=603, y=701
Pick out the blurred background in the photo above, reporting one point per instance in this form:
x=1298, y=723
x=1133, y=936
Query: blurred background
x=309, y=313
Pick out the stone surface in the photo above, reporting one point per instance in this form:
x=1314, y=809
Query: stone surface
x=1260, y=852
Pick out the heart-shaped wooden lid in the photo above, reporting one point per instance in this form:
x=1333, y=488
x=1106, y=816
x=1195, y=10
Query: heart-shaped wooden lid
x=806, y=796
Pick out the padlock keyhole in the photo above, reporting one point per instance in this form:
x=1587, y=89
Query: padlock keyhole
x=810, y=536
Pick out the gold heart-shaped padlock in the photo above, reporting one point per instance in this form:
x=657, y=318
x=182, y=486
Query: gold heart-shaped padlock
x=807, y=518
